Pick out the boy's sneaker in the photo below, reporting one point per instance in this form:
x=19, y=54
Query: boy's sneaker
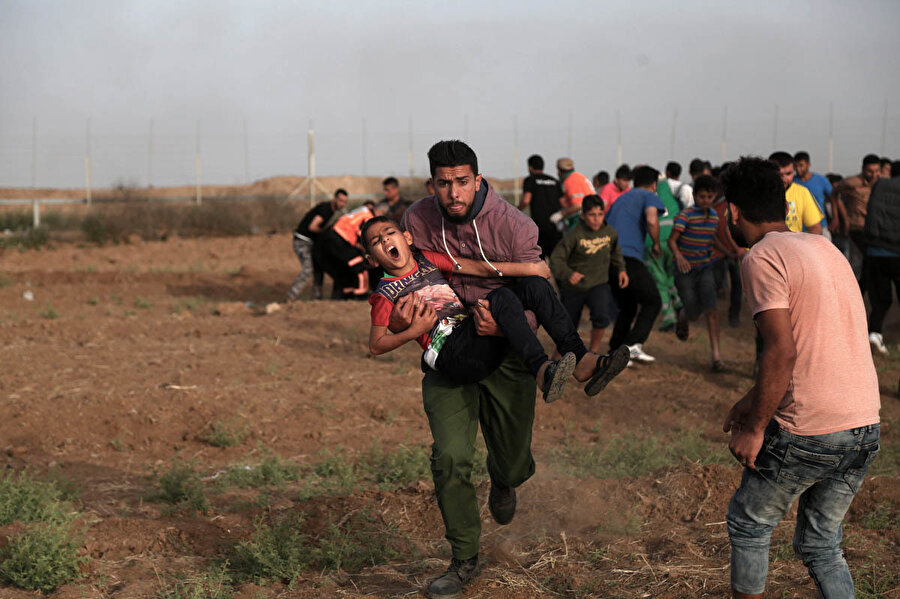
x=458, y=575
x=608, y=366
x=638, y=353
x=556, y=375
x=877, y=342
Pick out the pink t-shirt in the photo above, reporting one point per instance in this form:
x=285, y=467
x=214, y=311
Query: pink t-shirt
x=609, y=193
x=834, y=386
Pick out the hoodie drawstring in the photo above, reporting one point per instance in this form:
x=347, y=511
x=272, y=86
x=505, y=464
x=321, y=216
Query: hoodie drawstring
x=480, y=249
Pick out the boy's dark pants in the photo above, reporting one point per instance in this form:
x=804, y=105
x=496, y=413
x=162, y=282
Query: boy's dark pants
x=503, y=403
x=641, y=291
x=467, y=357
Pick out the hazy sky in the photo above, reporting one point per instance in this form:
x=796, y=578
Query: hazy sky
x=451, y=69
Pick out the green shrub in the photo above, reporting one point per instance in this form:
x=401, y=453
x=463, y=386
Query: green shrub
x=401, y=467
x=356, y=542
x=43, y=557
x=215, y=584
x=49, y=312
x=277, y=551
x=181, y=487
x=27, y=499
x=29, y=239
x=273, y=471
x=631, y=455
x=225, y=435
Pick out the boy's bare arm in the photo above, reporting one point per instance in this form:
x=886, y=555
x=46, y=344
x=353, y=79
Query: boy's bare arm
x=479, y=268
x=680, y=261
x=717, y=243
x=381, y=340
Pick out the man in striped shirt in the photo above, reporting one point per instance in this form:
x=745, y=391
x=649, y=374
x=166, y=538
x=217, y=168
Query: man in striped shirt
x=692, y=241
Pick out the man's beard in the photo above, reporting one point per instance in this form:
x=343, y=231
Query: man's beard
x=737, y=235
x=458, y=218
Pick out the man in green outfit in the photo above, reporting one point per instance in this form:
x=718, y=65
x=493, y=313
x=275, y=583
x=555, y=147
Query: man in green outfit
x=466, y=218
x=662, y=268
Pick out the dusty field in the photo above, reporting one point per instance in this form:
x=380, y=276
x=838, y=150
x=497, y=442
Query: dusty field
x=121, y=364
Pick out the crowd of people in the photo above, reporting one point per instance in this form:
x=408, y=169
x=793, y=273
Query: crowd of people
x=465, y=273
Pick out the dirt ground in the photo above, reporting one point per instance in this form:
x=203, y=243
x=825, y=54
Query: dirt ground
x=127, y=356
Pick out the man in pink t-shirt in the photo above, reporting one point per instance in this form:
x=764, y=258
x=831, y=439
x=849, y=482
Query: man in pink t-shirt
x=809, y=427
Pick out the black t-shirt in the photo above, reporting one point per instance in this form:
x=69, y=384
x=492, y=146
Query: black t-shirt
x=322, y=209
x=545, y=193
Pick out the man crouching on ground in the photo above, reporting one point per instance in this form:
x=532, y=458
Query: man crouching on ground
x=809, y=427
x=467, y=218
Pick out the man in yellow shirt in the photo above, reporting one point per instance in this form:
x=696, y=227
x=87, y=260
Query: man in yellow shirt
x=802, y=211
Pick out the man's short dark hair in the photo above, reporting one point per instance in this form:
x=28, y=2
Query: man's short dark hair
x=834, y=178
x=754, y=185
x=895, y=169
x=624, y=172
x=696, y=167
x=340, y=191
x=450, y=153
x=536, y=162
x=673, y=170
x=592, y=201
x=705, y=183
x=645, y=176
x=602, y=178
x=392, y=181
x=885, y=161
x=372, y=221
x=782, y=159
x=801, y=156
x=871, y=159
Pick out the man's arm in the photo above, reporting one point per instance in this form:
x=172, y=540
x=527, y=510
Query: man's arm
x=382, y=341
x=479, y=268
x=317, y=224
x=748, y=418
x=652, y=215
x=525, y=201
x=815, y=229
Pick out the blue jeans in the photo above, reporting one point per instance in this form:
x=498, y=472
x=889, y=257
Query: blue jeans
x=825, y=472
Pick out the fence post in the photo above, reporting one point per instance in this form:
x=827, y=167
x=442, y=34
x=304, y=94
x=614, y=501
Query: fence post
x=775, y=130
x=831, y=137
x=618, y=139
x=34, y=152
x=516, y=189
x=246, y=154
x=724, y=132
x=150, y=155
x=672, y=140
x=312, y=165
x=197, y=164
x=87, y=162
x=410, y=147
x=35, y=213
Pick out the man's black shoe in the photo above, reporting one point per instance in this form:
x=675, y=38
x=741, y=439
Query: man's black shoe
x=458, y=575
x=502, y=502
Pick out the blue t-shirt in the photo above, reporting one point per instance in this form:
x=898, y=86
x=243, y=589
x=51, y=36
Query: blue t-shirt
x=820, y=188
x=627, y=217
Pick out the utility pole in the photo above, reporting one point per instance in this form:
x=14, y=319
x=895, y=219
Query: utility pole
x=197, y=164
x=87, y=161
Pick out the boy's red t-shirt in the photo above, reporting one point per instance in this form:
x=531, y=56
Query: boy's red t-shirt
x=429, y=277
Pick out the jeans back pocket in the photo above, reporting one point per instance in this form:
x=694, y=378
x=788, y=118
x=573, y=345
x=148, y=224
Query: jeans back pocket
x=801, y=468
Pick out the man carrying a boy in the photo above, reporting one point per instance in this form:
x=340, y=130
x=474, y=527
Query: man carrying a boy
x=581, y=264
x=467, y=218
x=691, y=242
